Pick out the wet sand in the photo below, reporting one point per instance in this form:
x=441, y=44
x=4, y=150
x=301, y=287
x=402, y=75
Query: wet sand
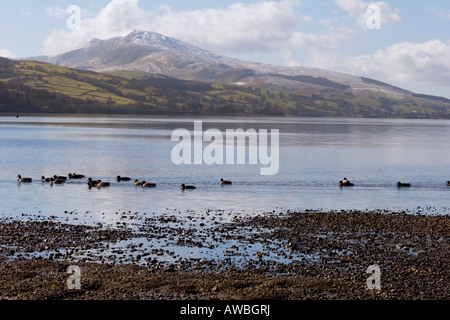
x=305, y=255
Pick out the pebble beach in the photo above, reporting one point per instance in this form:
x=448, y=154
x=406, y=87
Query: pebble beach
x=288, y=255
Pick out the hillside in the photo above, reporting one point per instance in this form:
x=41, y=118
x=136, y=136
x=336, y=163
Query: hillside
x=155, y=53
x=37, y=87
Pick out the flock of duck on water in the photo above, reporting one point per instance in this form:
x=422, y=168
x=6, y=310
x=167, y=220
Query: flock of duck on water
x=346, y=183
x=100, y=184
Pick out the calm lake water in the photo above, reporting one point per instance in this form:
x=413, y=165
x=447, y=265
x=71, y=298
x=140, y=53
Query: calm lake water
x=315, y=153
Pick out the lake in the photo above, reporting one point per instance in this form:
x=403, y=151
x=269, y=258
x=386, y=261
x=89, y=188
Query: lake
x=314, y=155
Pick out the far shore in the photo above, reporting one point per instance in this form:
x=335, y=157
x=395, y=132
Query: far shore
x=205, y=116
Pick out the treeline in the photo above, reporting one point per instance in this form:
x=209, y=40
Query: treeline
x=18, y=98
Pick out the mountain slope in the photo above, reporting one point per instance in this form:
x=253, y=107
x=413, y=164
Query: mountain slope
x=155, y=53
x=37, y=87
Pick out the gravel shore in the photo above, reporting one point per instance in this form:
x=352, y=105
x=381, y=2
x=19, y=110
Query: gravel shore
x=295, y=256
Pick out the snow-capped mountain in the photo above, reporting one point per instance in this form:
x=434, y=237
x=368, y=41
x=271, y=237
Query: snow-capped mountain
x=140, y=51
x=155, y=53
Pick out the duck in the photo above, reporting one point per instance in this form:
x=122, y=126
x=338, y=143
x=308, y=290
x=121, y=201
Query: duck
x=225, y=182
x=75, y=176
x=101, y=184
x=92, y=183
x=146, y=184
x=448, y=183
x=59, y=177
x=138, y=183
x=57, y=181
x=401, y=184
x=183, y=186
x=119, y=178
x=346, y=183
x=44, y=179
x=20, y=179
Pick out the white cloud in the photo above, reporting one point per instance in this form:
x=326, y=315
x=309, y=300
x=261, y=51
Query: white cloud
x=405, y=64
x=240, y=27
x=402, y=63
x=323, y=47
x=441, y=14
x=357, y=9
x=56, y=12
x=5, y=53
x=116, y=19
x=27, y=14
x=237, y=28
x=306, y=19
x=320, y=48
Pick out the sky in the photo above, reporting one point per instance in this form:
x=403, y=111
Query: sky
x=402, y=42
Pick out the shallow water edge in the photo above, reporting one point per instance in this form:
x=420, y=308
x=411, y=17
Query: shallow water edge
x=329, y=250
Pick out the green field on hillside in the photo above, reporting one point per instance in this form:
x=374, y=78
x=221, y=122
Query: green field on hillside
x=36, y=87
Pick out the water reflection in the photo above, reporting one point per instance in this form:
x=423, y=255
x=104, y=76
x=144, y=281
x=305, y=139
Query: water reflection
x=315, y=153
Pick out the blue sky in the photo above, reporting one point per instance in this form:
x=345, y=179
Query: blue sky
x=411, y=48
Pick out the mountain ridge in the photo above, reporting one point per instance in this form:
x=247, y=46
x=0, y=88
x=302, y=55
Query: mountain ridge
x=156, y=53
